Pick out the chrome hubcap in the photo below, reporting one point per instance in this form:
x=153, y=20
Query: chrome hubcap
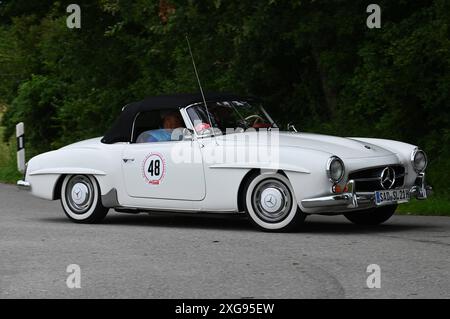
x=79, y=194
x=272, y=200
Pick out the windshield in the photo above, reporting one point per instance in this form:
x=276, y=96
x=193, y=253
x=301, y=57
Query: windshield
x=228, y=117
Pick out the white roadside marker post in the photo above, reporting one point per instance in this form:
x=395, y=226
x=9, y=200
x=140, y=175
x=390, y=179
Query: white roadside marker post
x=20, y=134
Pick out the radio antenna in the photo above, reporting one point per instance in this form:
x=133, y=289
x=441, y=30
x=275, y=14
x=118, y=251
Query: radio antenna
x=200, y=86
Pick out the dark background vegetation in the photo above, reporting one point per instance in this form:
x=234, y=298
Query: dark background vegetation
x=314, y=63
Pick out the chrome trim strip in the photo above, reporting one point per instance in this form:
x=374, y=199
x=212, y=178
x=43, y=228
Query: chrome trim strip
x=24, y=185
x=371, y=179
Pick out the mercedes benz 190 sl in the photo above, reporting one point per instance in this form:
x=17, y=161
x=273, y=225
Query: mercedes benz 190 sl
x=224, y=153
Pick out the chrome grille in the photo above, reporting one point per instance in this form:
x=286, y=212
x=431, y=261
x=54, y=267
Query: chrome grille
x=368, y=180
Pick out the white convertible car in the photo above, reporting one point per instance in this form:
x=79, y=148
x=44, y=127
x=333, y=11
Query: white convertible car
x=179, y=154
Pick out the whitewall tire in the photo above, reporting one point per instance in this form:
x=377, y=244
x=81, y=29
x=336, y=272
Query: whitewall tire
x=81, y=200
x=270, y=203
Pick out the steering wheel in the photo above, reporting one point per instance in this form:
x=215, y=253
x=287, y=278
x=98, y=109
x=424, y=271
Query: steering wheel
x=257, y=119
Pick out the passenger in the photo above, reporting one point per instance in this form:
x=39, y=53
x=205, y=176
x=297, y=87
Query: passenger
x=171, y=121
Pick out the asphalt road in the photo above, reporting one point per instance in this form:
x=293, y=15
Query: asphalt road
x=186, y=256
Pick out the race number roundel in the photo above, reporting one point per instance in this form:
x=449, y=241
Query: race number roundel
x=153, y=168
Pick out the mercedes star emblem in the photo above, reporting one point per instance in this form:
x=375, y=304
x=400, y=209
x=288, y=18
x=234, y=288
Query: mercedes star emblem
x=387, y=178
x=270, y=200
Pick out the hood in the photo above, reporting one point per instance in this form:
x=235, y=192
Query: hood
x=92, y=142
x=345, y=148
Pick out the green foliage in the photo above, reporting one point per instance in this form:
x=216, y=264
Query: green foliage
x=314, y=63
x=435, y=205
x=35, y=104
x=8, y=164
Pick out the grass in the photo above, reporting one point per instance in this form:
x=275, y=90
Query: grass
x=436, y=205
x=9, y=174
x=8, y=164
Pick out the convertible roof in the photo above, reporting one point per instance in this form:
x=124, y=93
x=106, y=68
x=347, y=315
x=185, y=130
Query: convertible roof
x=120, y=131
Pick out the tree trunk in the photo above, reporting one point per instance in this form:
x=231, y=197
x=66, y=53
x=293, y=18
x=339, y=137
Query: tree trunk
x=329, y=92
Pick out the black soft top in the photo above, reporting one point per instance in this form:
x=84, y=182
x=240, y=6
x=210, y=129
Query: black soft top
x=122, y=127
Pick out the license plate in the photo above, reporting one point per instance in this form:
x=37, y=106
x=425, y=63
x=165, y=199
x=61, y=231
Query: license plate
x=391, y=196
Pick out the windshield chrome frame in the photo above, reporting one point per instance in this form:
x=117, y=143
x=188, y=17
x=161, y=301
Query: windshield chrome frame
x=190, y=125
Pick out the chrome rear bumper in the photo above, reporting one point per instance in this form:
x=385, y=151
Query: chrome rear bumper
x=352, y=199
x=24, y=185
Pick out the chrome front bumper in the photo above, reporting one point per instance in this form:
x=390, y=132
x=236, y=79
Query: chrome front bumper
x=24, y=185
x=352, y=199
x=420, y=189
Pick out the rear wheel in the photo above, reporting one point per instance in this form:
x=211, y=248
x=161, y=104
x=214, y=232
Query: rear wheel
x=80, y=199
x=270, y=203
x=373, y=216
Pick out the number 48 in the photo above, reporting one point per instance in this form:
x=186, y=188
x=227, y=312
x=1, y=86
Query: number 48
x=154, y=167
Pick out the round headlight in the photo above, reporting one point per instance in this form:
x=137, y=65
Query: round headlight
x=335, y=169
x=419, y=160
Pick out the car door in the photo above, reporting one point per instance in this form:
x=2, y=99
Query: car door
x=164, y=170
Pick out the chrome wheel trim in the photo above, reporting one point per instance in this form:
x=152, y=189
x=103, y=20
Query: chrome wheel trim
x=272, y=200
x=79, y=194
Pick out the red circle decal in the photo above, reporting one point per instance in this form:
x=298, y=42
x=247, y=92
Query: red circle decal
x=153, y=168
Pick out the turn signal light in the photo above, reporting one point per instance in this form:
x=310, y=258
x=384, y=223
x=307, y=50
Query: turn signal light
x=337, y=189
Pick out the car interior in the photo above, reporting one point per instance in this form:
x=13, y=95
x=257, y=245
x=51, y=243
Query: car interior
x=156, y=120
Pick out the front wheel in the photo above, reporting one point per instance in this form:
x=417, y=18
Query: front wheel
x=80, y=199
x=270, y=203
x=373, y=216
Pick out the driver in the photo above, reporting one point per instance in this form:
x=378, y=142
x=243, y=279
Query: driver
x=171, y=121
